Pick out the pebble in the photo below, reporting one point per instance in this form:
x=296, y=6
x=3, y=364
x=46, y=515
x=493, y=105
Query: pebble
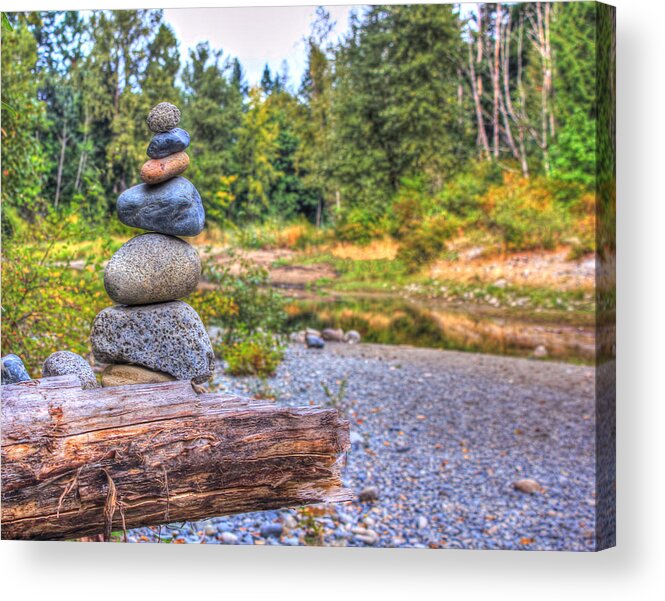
x=356, y=438
x=123, y=375
x=352, y=337
x=527, y=485
x=314, y=341
x=332, y=335
x=540, y=351
x=167, y=337
x=13, y=370
x=152, y=268
x=272, y=529
x=228, y=538
x=368, y=494
x=163, y=117
x=168, y=142
x=156, y=171
x=173, y=207
x=62, y=363
x=290, y=522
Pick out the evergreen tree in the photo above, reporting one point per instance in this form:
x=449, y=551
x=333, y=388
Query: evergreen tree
x=213, y=113
x=23, y=125
x=256, y=152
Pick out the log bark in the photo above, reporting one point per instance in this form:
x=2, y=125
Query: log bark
x=78, y=463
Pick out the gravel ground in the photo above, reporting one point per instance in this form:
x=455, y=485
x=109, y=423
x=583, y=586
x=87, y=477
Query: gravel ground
x=442, y=437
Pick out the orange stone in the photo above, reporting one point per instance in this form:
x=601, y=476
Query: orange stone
x=155, y=171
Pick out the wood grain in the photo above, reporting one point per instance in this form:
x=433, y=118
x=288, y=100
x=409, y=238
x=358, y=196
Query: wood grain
x=78, y=463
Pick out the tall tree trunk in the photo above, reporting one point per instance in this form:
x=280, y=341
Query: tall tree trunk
x=522, y=98
x=64, y=137
x=507, y=108
x=495, y=81
x=482, y=134
x=542, y=36
x=84, y=153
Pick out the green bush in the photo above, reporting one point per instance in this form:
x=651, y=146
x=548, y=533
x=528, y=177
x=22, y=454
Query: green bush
x=47, y=305
x=250, y=315
x=358, y=225
x=421, y=245
x=257, y=355
x=526, y=213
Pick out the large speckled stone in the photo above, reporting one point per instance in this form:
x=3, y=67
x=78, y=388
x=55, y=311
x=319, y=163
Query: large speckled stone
x=152, y=268
x=163, y=117
x=173, y=207
x=13, y=370
x=122, y=375
x=168, y=142
x=62, y=363
x=167, y=337
x=155, y=171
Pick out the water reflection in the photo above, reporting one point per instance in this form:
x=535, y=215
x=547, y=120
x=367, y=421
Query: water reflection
x=390, y=320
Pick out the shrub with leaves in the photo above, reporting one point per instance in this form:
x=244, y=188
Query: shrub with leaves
x=526, y=213
x=250, y=315
x=47, y=305
x=257, y=355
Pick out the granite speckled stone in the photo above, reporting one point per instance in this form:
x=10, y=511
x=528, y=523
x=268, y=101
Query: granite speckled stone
x=62, y=363
x=122, y=375
x=173, y=207
x=168, y=142
x=155, y=171
x=167, y=337
x=163, y=117
x=152, y=268
x=13, y=370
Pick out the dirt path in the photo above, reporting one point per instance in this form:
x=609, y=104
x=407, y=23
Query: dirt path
x=546, y=269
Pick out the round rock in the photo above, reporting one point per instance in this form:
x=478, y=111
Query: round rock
x=173, y=207
x=152, y=268
x=13, y=370
x=63, y=363
x=163, y=117
x=122, y=375
x=167, y=337
x=155, y=171
x=168, y=142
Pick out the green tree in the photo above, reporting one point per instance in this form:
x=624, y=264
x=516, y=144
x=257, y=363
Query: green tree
x=23, y=122
x=574, y=43
x=256, y=152
x=213, y=113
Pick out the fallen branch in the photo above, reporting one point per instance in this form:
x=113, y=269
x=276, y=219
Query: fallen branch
x=83, y=462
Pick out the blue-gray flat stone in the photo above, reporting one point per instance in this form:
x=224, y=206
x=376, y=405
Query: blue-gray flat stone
x=168, y=142
x=63, y=363
x=13, y=370
x=167, y=337
x=173, y=207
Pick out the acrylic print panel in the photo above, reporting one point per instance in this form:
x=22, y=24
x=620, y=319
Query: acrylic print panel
x=333, y=276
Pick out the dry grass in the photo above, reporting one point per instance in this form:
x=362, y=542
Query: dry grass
x=547, y=269
x=384, y=248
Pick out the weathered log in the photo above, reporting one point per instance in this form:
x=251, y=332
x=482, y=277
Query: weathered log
x=83, y=462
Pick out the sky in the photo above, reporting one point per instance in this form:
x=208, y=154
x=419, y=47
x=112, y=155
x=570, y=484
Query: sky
x=255, y=35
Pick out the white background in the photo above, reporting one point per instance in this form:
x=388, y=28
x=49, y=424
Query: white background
x=634, y=569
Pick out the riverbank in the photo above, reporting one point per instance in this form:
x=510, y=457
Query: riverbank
x=440, y=438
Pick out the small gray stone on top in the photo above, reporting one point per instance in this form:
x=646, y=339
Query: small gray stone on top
x=163, y=117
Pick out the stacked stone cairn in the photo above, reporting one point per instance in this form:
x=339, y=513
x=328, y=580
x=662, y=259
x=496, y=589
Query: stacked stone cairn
x=150, y=335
